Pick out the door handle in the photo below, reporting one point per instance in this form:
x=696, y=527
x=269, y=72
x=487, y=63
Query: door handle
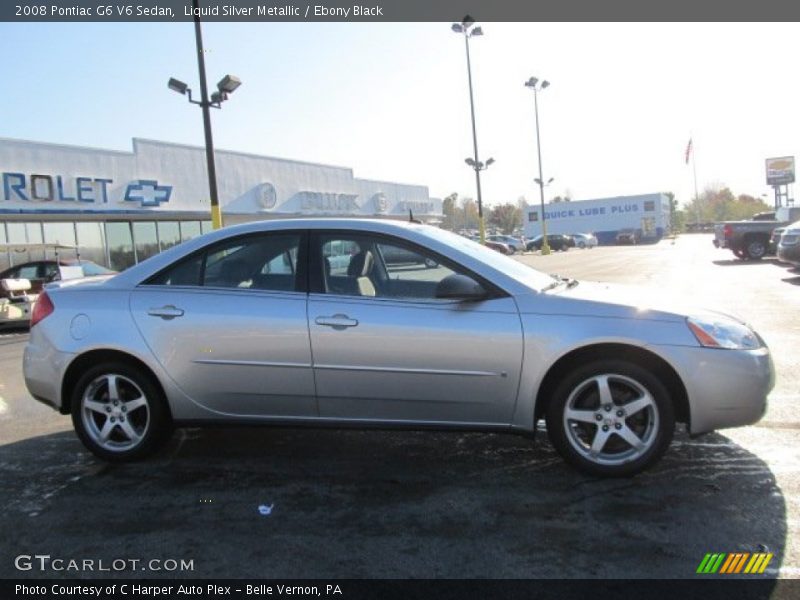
x=166, y=312
x=336, y=321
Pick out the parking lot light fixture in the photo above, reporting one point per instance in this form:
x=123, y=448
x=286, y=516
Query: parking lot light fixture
x=467, y=29
x=533, y=83
x=226, y=86
x=176, y=85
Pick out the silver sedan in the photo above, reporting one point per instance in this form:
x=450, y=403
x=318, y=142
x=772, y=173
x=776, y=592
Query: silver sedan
x=305, y=322
x=789, y=244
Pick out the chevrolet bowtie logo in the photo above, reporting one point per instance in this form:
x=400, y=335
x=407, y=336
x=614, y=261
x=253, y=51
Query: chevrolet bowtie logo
x=147, y=192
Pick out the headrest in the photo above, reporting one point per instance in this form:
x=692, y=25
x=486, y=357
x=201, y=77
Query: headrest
x=16, y=285
x=360, y=264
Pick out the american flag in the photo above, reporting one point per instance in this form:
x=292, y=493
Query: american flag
x=688, y=150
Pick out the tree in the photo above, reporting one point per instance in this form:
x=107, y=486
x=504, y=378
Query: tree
x=450, y=212
x=718, y=203
x=677, y=217
x=468, y=215
x=506, y=217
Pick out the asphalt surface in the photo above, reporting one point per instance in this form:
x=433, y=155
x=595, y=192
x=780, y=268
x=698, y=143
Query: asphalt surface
x=424, y=504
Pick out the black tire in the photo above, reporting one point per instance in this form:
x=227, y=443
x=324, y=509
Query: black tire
x=132, y=433
x=616, y=457
x=581, y=245
x=755, y=248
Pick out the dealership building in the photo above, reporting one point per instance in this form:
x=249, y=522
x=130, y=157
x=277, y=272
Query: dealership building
x=647, y=214
x=119, y=208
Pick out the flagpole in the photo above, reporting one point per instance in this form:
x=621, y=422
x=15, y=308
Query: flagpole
x=694, y=172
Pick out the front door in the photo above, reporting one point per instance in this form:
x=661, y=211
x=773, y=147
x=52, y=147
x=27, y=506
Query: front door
x=386, y=348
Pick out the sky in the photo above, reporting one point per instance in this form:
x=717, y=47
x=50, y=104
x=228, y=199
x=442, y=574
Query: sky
x=391, y=100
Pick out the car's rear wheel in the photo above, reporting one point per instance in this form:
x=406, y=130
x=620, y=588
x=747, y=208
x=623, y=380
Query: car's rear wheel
x=119, y=413
x=581, y=245
x=610, y=418
x=755, y=249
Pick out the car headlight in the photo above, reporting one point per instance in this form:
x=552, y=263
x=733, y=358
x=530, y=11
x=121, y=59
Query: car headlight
x=717, y=331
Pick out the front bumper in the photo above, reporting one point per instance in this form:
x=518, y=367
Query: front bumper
x=726, y=388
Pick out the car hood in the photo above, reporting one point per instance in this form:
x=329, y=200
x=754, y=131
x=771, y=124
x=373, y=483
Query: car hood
x=610, y=300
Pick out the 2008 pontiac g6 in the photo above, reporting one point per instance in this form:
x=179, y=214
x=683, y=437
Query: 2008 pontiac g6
x=305, y=322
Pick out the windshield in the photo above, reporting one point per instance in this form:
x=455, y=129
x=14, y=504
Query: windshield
x=526, y=275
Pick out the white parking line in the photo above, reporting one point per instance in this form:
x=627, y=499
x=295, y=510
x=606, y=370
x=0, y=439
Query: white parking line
x=3, y=407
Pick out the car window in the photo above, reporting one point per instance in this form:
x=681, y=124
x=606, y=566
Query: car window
x=50, y=270
x=260, y=262
x=25, y=272
x=363, y=265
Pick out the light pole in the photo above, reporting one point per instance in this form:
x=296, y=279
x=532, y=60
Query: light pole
x=225, y=87
x=466, y=28
x=534, y=84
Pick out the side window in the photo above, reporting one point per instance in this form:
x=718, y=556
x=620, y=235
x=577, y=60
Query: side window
x=50, y=271
x=27, y=272
x=363, y=265
x=259, y=262
x=411, y=274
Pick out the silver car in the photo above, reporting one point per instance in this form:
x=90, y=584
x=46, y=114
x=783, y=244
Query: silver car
x=255, y=324
x=789, y=244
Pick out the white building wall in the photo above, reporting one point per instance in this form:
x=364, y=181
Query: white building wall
x=175, y=181
x=647, y=214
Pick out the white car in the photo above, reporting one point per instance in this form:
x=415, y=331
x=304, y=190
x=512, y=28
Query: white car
x=584, y=240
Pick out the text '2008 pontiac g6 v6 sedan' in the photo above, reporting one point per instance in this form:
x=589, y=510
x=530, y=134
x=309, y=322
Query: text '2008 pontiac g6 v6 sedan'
x=306, y=322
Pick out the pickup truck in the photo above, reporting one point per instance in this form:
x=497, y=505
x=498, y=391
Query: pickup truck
x=751, y=239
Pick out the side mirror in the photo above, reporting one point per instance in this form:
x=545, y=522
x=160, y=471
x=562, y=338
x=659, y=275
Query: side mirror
x=460, y=287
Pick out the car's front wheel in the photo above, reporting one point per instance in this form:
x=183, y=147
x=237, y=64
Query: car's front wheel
x=611, y=418
x=119, y=413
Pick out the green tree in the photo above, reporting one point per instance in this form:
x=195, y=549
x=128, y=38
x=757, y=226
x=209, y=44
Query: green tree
x=506, y=217
x=468, y=215
x=450, y=212
x=718, y=203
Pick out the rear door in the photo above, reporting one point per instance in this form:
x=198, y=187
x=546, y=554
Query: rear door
x=229, y=325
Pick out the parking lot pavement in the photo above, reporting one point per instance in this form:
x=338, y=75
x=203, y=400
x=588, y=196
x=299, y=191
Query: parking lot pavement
x=426, y=504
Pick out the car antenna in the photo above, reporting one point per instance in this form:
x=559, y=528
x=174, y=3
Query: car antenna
x=411, y=218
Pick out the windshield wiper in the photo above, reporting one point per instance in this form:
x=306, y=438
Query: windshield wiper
x=570, y=283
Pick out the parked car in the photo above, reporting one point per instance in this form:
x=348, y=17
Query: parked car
x=775, y=239
x=627, y=236
x=751, y=239
x=789, y=244
x=41, y=272
x=397, y=255
x=206, y=332
x=496, y=246
x=584, y=240
x=556, y=241
x=515, y=244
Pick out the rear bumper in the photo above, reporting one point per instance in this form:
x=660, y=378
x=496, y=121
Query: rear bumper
x=43, y=368
x=726, y=388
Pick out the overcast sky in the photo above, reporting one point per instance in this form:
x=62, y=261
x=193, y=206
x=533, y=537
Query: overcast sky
x=391, y=101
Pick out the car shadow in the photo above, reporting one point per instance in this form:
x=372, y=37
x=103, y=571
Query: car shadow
x=304, y=503
x=739, y=262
